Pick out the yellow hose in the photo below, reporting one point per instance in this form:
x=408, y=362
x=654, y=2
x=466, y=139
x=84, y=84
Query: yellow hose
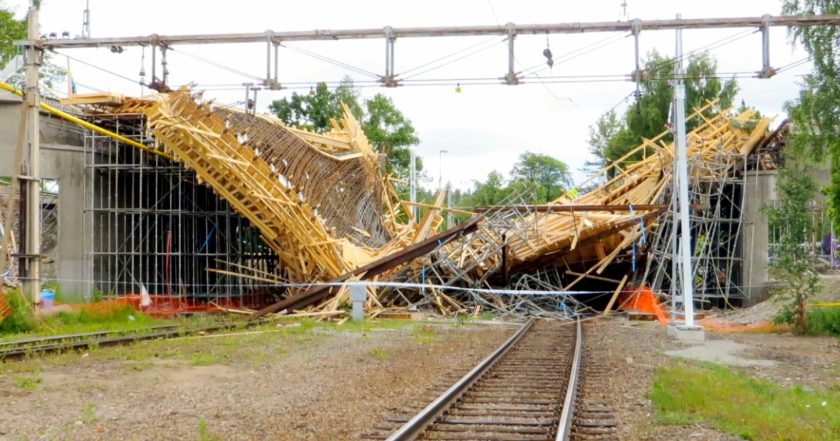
x=52, y=110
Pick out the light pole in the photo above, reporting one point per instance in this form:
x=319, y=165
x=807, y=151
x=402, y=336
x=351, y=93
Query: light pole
x=440, y=168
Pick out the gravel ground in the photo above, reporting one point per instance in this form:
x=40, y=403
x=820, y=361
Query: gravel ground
x=330, y=383
x=633, y=350
x=321, y=384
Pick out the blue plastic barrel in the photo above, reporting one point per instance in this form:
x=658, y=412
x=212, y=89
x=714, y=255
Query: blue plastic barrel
x=47, y=298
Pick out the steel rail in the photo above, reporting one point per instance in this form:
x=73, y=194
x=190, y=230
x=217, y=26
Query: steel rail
x=564, y=427
x=442, y=31
x=415, y=426
x=55, y=343
x=65, y=337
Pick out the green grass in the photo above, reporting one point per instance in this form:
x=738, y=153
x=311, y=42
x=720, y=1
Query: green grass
x=204, y=433
x=425, y=334
x=369, y=325
x=88, y=414
x=685, y=393
x=204, y=359
x=823, y=321
x=27, y=382
x=379, y=354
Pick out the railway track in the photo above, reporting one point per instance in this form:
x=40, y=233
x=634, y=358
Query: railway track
x=524, y=391
x=14, y=349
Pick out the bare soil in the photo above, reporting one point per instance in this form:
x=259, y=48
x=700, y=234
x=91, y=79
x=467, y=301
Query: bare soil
x=329, y=383
x=321, y=384
x=632, y=350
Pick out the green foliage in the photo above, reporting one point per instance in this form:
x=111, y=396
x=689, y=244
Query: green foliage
x=313, y=111
x=823, y=321
x=817, y=111
x=542, y=175
x=390, y=133
x=793, y=265
x=612, y=137
x=10, y=30
x=490, y=191
x=606, y=128
x=686, y=394
x=388, y=130
x=21, y=319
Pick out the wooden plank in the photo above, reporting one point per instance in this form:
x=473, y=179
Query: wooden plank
x=615, y=295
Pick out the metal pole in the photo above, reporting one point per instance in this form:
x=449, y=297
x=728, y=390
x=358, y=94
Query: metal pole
x=276, y=62
x=637, y=74
x=766, y=70
x=445, y=31
x=268, y=59
x=450, y=220
x=510, y=76
x=682, y=171
x=86, y=20
x=32, y=283
x=412, y=184
x=440, y=168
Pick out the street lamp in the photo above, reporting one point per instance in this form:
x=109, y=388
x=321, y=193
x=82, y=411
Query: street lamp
x=440, y=168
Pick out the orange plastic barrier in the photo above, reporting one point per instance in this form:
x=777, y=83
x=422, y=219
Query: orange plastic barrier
x=643, y=300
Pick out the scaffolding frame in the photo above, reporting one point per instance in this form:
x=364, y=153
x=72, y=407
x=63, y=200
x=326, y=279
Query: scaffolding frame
x=150, y=224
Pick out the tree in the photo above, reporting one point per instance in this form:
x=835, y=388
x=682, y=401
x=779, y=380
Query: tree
x=490, y=192
x=390, y=133
x=388, y=130
x=10, y=30
x=793, y=265
x=600, y=134
x=314, y=110
x=649, y=117
x=816, y=114
x=542, y=174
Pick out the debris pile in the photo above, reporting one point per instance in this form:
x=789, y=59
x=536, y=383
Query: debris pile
x=324, y=205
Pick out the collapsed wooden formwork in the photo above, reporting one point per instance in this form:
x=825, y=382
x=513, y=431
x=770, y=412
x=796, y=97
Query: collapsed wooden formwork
x=323, y=203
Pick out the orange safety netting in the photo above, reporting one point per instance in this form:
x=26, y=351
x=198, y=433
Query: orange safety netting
x=5, y=309
x=162, y=306
x=714, y=324
x=165, y=306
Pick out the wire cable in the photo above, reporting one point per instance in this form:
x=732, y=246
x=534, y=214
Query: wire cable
x=576, y=53
x=131, y=80
x=458, y=52
x=495, y=42
x=330, y=60
x=215, y=64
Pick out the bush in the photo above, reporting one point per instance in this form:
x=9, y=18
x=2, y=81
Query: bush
x=21, y=319
x=823, y=321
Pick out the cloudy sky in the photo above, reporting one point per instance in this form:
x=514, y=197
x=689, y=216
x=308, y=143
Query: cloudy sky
x=484, y=128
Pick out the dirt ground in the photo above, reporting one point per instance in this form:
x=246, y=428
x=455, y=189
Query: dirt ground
x=634, y=349
x=285, y=384
x=330, y=383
